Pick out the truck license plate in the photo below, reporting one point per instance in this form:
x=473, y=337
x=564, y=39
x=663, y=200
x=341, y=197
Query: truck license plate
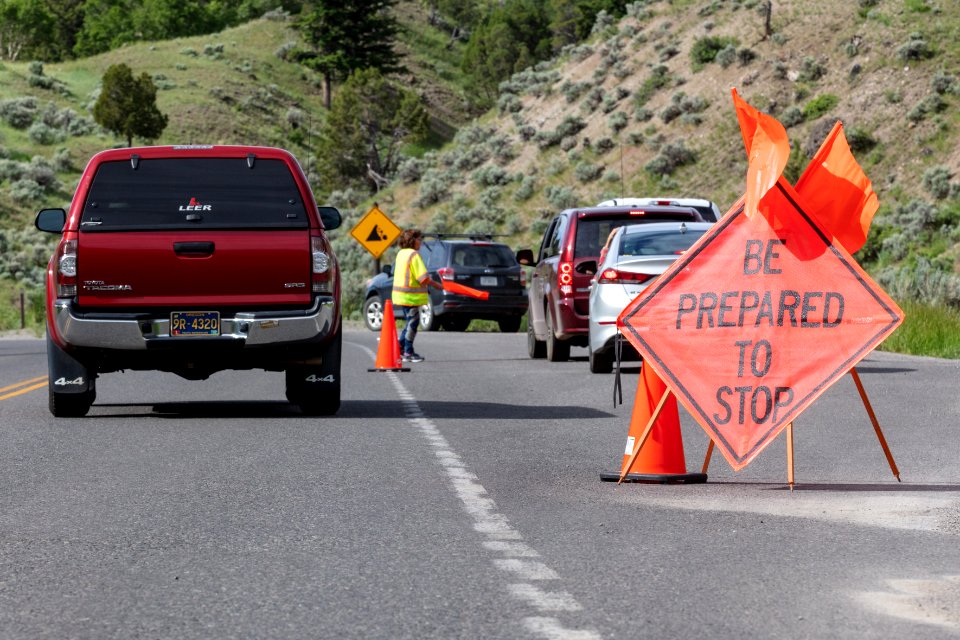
x=195, y=323
x=488, y=281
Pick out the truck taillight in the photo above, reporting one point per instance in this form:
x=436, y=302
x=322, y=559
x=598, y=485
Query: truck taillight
x=446, y=273
x=323, y=268
x=612, y=276
x=67, y=269
x=565, y=278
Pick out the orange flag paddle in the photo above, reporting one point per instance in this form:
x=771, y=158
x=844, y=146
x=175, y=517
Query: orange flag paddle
x=453, y=287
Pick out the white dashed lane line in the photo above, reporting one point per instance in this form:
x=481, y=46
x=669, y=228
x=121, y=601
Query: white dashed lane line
x=526, y=577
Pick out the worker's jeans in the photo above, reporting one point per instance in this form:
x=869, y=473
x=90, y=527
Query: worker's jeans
x=412, y=316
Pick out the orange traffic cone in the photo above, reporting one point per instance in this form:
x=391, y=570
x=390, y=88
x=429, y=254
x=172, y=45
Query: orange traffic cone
x=388, y=353
x=660, y=459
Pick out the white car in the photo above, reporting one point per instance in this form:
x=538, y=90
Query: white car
x=637, y=254
x=708, y=209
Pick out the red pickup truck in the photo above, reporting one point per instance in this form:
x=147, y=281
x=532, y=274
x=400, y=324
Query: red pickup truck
x=193, y=259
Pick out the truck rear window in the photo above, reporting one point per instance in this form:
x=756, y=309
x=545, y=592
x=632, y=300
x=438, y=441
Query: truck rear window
x=189, y=193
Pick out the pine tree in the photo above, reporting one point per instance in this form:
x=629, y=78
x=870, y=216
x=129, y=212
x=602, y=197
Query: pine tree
x=127, y=105
x=369, y=120
x=345, y=36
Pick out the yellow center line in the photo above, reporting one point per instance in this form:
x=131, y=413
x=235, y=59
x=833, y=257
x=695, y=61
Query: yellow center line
x=22, y=383
x=22, y=391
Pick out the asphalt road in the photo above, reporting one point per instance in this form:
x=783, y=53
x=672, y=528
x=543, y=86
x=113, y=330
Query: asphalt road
x=462, y=500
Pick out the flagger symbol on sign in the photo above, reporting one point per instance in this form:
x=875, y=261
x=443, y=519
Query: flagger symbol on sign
x=768, y=309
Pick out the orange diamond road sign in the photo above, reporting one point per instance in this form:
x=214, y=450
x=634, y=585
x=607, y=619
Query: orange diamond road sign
x=375, y=231
x=757, y=320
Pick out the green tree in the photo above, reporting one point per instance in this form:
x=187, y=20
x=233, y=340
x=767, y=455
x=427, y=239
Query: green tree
x=345, y=36
x=68, y=20
x=108, y=24
x=369, y=120
x=25, y=27
x=509, y=38
x=127, y=105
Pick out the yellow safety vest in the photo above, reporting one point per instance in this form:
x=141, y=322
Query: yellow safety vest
x=408, y=274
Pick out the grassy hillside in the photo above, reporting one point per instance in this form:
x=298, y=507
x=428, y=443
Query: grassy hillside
x=642, y=109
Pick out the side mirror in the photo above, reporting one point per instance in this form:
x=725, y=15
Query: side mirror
x=330, y=217
x=525, y=257
x=51, y=220
x=387, y=269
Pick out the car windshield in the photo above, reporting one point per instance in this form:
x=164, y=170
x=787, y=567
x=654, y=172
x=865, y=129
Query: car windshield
x=483, y=255
x=658, y=243
x=186, y=193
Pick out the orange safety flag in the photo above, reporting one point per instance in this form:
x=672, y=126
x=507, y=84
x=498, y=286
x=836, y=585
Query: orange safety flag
x=837, y=192
x=453, y=287
x=767, y=150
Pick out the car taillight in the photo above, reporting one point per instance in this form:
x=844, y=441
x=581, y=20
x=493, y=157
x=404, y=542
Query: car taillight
x=446, y=273
x=523, y=277
x=612, y=276
x=565, y=278
x=323, y=271
x=67, y=269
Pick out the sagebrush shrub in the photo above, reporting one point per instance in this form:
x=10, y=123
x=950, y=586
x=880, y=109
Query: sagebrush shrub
x=526, y=189
x=791, y=117
x=936, y=180
x=618, y=121
x=434, y=187
x=705, y=50
x=671, y=157
x=410, y=170
x=944, y=82
x=916, y=48
x=726, y=56
x=25, y=190
x=561, y=197
x=604, y=145
x=491, y=175
x=41, y=133
x=19, y=113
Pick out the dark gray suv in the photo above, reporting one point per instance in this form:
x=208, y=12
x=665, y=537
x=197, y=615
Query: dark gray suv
x=474, y=261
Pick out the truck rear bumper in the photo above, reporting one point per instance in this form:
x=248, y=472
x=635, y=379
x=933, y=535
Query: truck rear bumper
x=150, y=330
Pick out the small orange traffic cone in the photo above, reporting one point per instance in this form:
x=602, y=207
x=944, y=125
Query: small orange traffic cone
x=388, y=353
x=660, y=459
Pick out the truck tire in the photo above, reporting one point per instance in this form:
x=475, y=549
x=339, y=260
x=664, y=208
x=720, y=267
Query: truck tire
x=316, y=388
x=71, y=386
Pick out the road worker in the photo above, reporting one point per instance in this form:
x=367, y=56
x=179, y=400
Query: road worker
x=410, y=282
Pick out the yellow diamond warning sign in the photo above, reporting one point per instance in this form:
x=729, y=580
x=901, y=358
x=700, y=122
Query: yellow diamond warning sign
x=375, y=231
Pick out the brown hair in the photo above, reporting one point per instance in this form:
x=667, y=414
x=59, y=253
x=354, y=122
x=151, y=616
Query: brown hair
x=409, y=238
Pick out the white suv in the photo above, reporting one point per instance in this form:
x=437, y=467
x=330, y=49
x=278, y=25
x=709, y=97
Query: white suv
x=708, y=209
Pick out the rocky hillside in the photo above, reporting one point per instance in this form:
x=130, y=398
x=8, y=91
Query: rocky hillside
x=645, y=109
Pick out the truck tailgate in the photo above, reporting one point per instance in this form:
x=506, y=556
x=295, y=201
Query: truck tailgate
x=189, y=269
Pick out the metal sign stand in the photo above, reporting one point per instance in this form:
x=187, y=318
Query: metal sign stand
x=790, y=476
